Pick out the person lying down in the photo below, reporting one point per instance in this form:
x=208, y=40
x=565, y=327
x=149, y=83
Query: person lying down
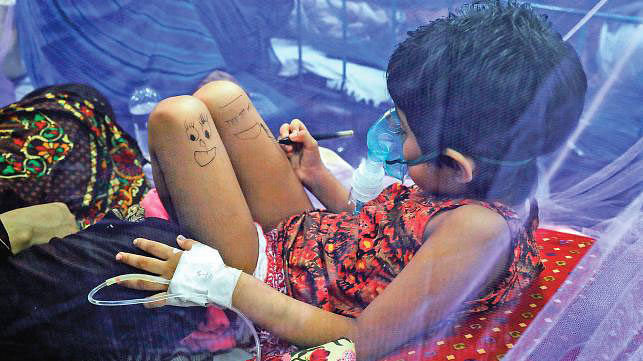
x=479, y=95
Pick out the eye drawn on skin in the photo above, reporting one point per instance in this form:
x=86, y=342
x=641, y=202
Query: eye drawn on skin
x=201, y=140
x=191, y=132
x=205, y=126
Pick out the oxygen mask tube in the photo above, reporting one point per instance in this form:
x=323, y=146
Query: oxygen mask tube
x=366, y=183
x=384, y=140
x=163, y=297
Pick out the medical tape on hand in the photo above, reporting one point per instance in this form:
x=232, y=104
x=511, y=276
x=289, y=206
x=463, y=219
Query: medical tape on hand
x=200, y=278
x=203, y=277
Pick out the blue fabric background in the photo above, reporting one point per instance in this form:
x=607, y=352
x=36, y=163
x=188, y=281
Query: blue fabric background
x=117, y=45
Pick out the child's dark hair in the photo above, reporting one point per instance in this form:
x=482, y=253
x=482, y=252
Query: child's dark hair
x=494, y=82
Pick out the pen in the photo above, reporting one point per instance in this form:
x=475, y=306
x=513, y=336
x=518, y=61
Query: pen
x=322, y=136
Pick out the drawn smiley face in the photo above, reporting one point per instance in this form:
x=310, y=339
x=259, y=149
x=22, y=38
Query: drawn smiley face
x=250, y=133
x=241, y=118
x=199, y=134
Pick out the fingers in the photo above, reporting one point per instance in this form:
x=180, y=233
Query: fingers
x=288, y=130
x=143, y=285
x=297, y=132
x=165, y=267
x=284, y=132
x=160, y=250
x=185, y=243
x=149, y=264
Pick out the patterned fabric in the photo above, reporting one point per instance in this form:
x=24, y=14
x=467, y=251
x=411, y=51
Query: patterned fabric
x=342, y=349
x=340, y=262
x=60, y=144
x=569, y=261
x=134, y=214
x=271, y=345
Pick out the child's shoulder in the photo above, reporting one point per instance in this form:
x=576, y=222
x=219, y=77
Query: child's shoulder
x=473, y=220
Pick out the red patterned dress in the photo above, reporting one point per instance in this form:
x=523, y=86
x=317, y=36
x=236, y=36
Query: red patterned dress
x=340, y=262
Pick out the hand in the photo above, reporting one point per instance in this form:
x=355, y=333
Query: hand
x=304, y=154
x=198, y=275
x=38, y=224
x=164, y=266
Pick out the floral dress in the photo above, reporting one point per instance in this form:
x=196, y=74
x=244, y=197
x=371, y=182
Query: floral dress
x=341, y=263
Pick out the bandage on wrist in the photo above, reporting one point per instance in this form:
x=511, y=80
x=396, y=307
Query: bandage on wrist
x=203, y=278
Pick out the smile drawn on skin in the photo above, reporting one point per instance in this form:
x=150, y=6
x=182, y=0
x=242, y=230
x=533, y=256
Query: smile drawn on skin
x=268, y=133
x=251, y=133
x=234, y=100
x=205, y=157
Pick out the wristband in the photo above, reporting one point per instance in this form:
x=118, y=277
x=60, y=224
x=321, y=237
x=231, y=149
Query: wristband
x=202, y=276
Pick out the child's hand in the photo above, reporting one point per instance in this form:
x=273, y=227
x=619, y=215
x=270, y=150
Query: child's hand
x=164, y=265
x=304, y=154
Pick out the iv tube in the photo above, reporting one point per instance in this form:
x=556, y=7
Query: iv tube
x=149, y=278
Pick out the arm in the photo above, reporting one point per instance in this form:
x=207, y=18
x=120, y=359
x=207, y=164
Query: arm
x=431, y=286
x=328, y=189
x=37, y=224
x=306, y=162
x=295, y=321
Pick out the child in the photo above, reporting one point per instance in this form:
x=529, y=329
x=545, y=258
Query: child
x=487, y=91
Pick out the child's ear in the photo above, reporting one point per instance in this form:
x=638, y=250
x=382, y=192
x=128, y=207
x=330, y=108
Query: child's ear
x=464, y=165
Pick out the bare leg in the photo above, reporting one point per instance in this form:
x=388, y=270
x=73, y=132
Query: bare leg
x=196, y=181
x=272, y=190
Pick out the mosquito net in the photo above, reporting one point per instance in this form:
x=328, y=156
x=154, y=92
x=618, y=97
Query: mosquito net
x=325, y=61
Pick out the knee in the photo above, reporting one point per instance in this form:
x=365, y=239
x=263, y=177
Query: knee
x=170, y=114
x=173, y=111
x=220, y=94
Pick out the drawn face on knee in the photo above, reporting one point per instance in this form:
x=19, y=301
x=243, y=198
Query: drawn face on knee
x=200, y=135
x=243, y=126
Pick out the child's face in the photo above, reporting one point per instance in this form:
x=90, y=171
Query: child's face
x=428, y=176
x=424, y=174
